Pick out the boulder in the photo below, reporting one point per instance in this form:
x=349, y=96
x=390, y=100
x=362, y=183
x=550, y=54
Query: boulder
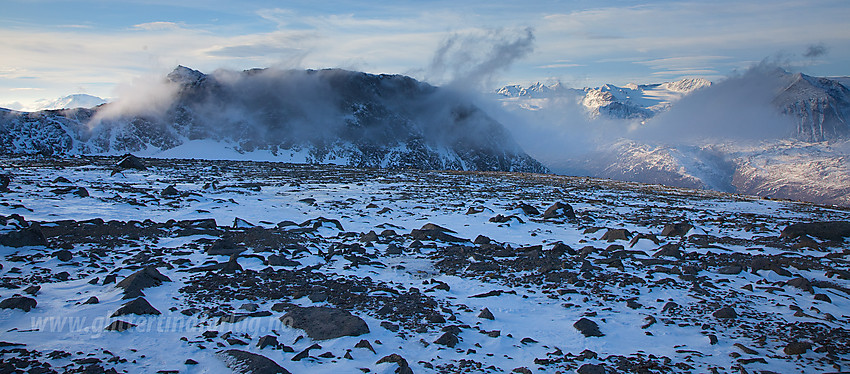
x=131, y=162
x=725, y=313
x=250, y=363
x=559, y=210
x=18, y=302
x=138, y=306
x=26, y=237
x=830, y=230
x=797, y=348
x=144, y=278
x=676, y=229
x=322, y=323
x=588, y=328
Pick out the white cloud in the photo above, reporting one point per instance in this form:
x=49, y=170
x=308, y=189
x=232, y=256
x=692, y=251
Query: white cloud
x=156, y=26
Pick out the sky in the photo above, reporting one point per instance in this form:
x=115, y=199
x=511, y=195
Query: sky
x=52, y=48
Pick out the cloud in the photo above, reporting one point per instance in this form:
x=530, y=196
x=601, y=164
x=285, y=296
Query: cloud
x=156, y=26
x=815, y=50
x=472, y=60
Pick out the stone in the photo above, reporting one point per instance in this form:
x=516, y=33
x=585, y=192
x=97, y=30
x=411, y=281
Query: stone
x=144, y=278
x=139, y=306
x=18, y=302
x=730, y=270
x=725, y=313
x=363, y=343
x=676, y=229
x=131, y=162
x=616, y=234
x=26, y=237
x=528, y=209
x=591, y=369
x=587, y=328
x=559, y=210
x=32, y=290
x=322, y=323
x=823, y=297
x=250, y=363
x=268, y=341
x=63, y=255
x=170, y=191
x=831, y=230
x=403, y=366
x=119, y=326
x=801, y=283
x=797, y=348
x=486, y=314
x=448, y=339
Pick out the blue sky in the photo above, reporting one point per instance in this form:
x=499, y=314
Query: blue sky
x=51, y=48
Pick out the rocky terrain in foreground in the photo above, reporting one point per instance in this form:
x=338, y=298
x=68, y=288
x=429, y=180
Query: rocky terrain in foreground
x=192, y=266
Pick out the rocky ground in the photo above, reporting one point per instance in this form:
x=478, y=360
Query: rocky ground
x=192, y=266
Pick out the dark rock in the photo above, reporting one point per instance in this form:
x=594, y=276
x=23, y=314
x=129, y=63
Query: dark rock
x=393, y=249
x=725, y=313
x=136, y=282
x=801, y=283
x=616, y=234
x=832, y=230
x=389, y=326
x=797, y=348
x=448, y=339
x=306, y=352
x=231, y=266
x=823, y=297
x=170, y=191
x=559, y=210
x=403, y=366
x=587, y=327
x=669, y=250
x=322, y=323
x=431, y=231
x=32, y=290
x=363, y=343
x=369, y=237
x=91, y=300
x=131, y=162
x=63, y=255
x=190, y=361
x=268, y=341
x=504, y=219
x=591, y=369
x=30, y=236
x=676, y=229
x=250, y=363
x=81, y=192
x=18, y=302
x=278, y=260
x=528, y=209
x=730, y=270
x=119, y=326
x=139, y=306
x=486, y=314
x=481, y=239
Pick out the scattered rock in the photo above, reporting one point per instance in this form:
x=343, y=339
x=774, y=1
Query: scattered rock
x=91, y=300
x=403, y=366
x=144, y=278
x=591, y=369
x=616, y=234
x=32, y=290
x=676, y=229
x=322, y=323
x=26, y=237
x=801, y=283
x=448, y=339
x=119, y=326
x=559, y=210
x=268, y=341
x=63, y=255
x=363, y=343
x=170, y=191
x=131, y=162
x=823, y=297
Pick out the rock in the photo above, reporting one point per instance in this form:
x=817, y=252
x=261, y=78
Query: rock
x=278, y=260
x=119, y=326
x=18, y=302
x=250, y=363
x=528, y=209
x=4, y=182
x=616, y=234
x=32, y=290
x=26, y=237
x=139, y=306
x=504, y=219
x=676, y=229
x=390, y=326
x=231, y=266
x=831, y=230
x=591, y=369
x=81, y=192
x=448, y=339
x=363, y=343
x=481, y=239
x=486, y=314
x=588, y=328
x=144, y=278
x=730, y=270
x=131, y=162
x=322, y=323
x=428, y=232
x=822, y=297
x=268, y=341
x=559, y=249
x=801, y=283
x=91, y=300
x=63, y=255
x=669, y=250
x=239, y=223
x=403, y=366
x=393, y=249
x=559, y=210
x=369, y=237
x=170, y=191
x=306, y=352
x=190, y=361
x=725, y=313
x=797, y=348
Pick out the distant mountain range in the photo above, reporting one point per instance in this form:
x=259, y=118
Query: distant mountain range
x=810, y=161
x=315, y=116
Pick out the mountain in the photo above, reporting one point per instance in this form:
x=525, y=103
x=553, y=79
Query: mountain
x=70, y=102
x=316, y=116
x=765, y=132
x=631, y=101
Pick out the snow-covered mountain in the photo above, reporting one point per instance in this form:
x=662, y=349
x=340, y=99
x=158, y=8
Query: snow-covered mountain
x=631, y=101
x=70, y=102
x=325, y=116
x=766, y=132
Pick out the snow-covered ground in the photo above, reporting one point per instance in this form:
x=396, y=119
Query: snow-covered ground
x=653, y=297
